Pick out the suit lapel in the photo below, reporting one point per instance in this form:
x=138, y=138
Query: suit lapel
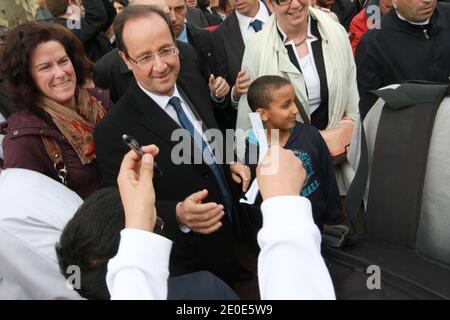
x=153, y=117
x=200, y=105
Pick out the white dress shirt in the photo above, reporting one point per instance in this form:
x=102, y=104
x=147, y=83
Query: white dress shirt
x=34, y=211
x=163, y=102
x=290, y=265
x=308, y=67
x=244, y=21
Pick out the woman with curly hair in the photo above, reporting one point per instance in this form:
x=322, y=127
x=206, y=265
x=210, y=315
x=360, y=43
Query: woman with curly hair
x=46, y=71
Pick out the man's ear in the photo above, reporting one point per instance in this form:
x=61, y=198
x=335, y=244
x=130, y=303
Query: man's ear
x=123, y=56
x=263, y=114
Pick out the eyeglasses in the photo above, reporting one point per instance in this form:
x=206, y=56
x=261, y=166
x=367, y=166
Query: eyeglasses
x=150, y=58
x=283, y=2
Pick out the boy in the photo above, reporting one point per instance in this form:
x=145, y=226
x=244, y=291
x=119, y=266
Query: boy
x=273, y=97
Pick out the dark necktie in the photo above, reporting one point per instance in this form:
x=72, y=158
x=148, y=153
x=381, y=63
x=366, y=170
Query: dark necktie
x=206, y=153
x=256, y=25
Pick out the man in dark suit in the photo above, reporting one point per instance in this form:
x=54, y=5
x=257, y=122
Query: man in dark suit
x=196, y=201
x=229, y=45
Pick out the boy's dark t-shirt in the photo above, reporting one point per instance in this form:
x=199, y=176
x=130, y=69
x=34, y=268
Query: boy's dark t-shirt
x=321, y=186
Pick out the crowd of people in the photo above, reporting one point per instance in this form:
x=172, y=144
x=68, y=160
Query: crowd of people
x=85, y=73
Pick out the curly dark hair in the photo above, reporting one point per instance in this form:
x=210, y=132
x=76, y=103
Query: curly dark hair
x=15, y=63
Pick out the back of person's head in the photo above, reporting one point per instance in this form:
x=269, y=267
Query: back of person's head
x=17, y=55
x=134, y=12
x=57, y=7
x=90, y=239
x=260, y=91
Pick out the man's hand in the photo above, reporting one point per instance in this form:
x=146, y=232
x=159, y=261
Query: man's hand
x=241, y=174
x=135, y=182
x=241, y=86
x=219, y=87
x=281, y=173
x=200, y=217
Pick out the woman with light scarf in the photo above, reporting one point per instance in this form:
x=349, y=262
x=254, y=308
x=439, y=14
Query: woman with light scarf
x=306, y=46
x=51, y=130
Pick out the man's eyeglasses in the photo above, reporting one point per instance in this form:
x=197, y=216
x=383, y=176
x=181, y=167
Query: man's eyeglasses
x=283, y=2
x=150, y=58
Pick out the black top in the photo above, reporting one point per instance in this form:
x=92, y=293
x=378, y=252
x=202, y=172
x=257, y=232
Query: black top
x=401, y=51
x=345, y=10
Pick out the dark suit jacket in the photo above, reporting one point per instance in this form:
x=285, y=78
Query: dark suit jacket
x=229, y=49
x=138, y=115
x=212, y=18
x=196, y=17
x=345, y=11
x=201, y=41
x=110, y=72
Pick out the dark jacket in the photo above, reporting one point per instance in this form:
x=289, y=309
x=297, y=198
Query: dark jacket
x=23, y=148
x=98, y=17
x=229, y=48
x=345, y=10
x=201, y=40
x=196, y=17
x=212, y=18
x=138, y=115
x=400, y=51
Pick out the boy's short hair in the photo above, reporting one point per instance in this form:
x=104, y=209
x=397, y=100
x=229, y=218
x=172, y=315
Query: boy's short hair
x=259, y=92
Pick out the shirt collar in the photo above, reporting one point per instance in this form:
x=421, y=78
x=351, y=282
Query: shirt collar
x=309, y=34
x=161, y=101
x=413, y=23
x=183, y=37
x=261, y=15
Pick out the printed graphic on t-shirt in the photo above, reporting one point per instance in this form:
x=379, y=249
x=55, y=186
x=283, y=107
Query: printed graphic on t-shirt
x=312, y=183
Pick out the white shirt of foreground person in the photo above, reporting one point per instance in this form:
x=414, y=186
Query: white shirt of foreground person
x=290, y=265
x=34, y=211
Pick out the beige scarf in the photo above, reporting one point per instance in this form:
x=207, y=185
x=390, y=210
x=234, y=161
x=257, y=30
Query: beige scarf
x=78, y=125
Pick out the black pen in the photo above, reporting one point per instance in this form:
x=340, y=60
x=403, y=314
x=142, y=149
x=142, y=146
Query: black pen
x=136, y=147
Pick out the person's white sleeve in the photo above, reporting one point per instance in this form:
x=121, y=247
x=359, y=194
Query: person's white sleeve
x=140, y=269
x=290, y=265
